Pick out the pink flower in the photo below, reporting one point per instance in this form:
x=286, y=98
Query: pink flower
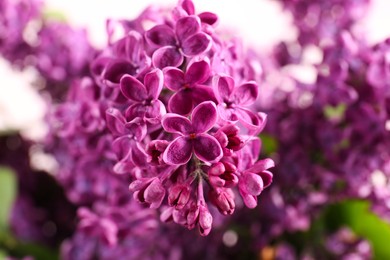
x=193, y=136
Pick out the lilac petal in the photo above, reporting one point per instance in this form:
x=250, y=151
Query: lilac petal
x=133, y=89
x=137, y=155
x=196, y=44
x=198, y=72
x=202, y=93
x=155, y=111
x=173, y=78
x=167, y=56
x=134, y=45
x=121, y=146
x=188, y=6
x=205, y=221
x=152, y=113
x=207, y=148
x=204, y=117
x=161, y=35
x=137, y=128
x=115, y=121
x=267, y=177
x=250, y=120
x=252, y=183
x=224, y=86
x=123, y=166
x=227, y=114
x=187, y=26
x=246, y=94
x=135, y=110
x=262, y=165
x=209, y=18
x=139, y=184
x=249, y=200
x=154, y=193
x=117, y=68
x=154, y=81
x=173, y=123
x=99, y=64
x=181, y=102
x=178, y=152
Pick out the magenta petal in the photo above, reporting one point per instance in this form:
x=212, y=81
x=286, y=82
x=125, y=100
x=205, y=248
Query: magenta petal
x=224, y=87
x=267, y=177
x=138, y=156
x=204, y=116
x=117, y=68
x=249, y=200
x=161, y=35
x=209, y=18
x=156, y=110
x=253, y=183
x=154, y=81
x=250, y=120
x=167, y=56
x=173, y=123
x=262, y=165
x=178, y=152
x=187, y=26
x=134, y=45
x=198, y=72
x=132, y=88
x=196, y=44
x=207, y=148
x=181, y=102
x=121, y=146
x=246, y=94
x=174, y=78
x=115, y=121
x=202, y=93
x=154, y=193
x=188, y=6
x=226, y=114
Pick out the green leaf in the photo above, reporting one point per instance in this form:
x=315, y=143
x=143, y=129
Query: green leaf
x=357, y=215
x=335, y=112
x=54, y=15
x=8, y=189
x=3, y=255
x=269, y=144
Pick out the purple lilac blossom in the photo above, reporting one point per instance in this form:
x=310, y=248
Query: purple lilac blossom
x=41, y=213
x=31, y=38
x=330, y=134
x=15, y=16
x=320, y=21
x=164, y=99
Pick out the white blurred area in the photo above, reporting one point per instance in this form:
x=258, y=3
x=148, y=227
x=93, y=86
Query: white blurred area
x=260, y=23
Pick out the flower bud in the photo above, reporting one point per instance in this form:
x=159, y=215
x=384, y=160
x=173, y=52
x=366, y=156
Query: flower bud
x=179, y=196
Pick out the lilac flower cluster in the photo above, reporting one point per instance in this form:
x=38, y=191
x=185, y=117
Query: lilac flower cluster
x=321, y=21
x=330, y=134
x=35, y=217
x=342, y=244
x=179, y=113
x=30, y=37
x=14, y=19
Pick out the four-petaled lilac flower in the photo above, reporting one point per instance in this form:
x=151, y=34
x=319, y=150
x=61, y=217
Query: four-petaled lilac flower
x=190, y=92
x=193, y=135
x=144, y=96
x=233, y=100
x=187, y=39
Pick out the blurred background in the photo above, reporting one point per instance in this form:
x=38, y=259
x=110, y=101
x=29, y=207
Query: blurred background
x=262, y=24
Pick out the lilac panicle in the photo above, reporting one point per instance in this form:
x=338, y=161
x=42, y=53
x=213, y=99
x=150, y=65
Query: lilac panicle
x=166, y=118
